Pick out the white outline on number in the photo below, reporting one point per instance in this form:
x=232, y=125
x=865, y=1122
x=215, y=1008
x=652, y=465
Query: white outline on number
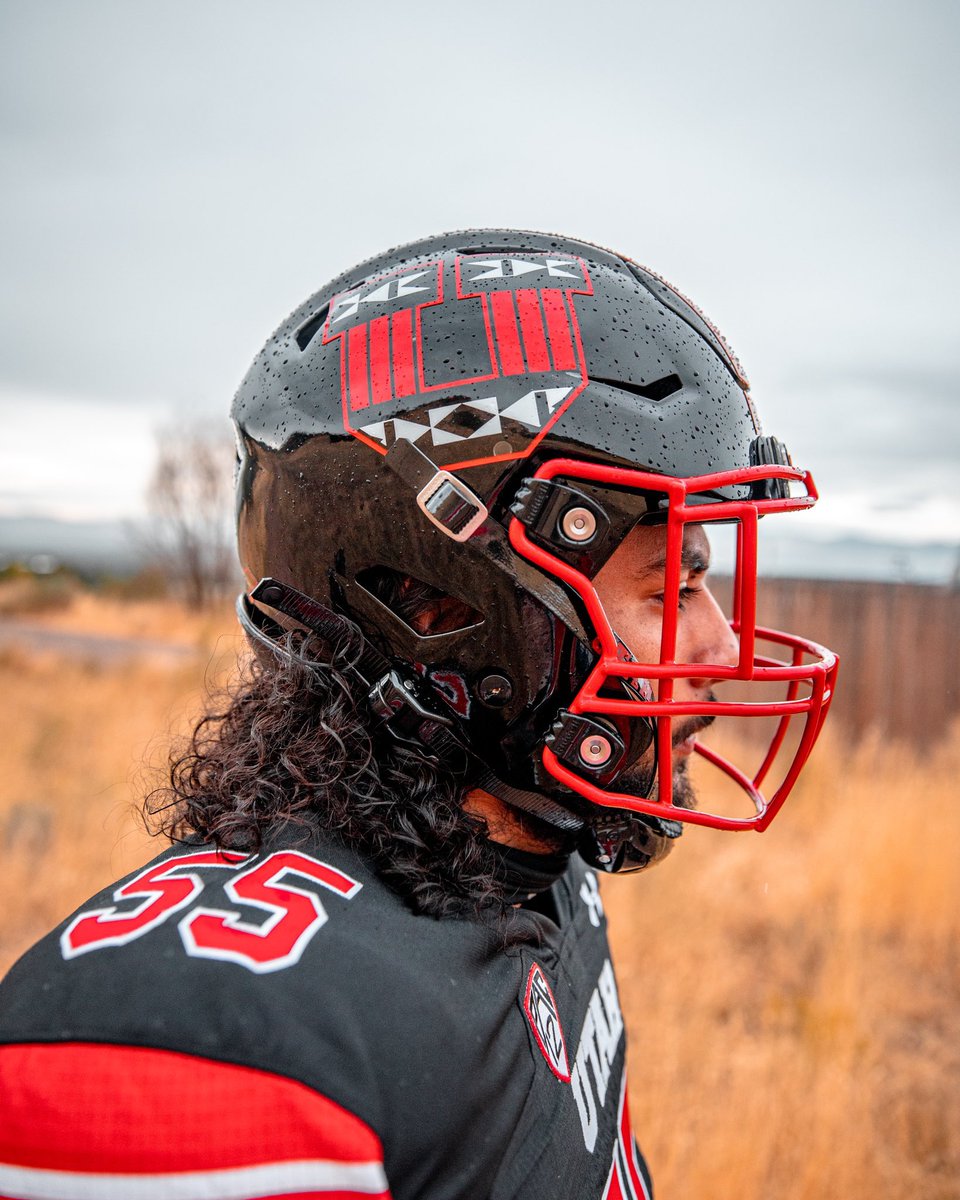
x=234, y=920
x=206, y=858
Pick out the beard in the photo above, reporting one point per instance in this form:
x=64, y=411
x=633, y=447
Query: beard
x=640, y=779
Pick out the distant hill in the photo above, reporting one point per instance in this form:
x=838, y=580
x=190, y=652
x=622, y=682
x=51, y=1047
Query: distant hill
x=88, y=547
x=859, y=558
x=111, y=547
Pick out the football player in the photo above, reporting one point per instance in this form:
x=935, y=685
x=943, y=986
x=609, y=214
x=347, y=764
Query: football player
x=476, y=478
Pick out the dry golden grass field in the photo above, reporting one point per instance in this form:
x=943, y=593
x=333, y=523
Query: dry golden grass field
x=793, y=999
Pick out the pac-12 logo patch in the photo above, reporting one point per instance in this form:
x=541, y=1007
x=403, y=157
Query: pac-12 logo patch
x=541, y=1010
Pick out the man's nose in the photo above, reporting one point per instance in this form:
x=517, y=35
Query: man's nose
x=713, y=643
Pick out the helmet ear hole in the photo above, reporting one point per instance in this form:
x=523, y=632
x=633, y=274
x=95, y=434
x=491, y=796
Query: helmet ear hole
x=425, y=609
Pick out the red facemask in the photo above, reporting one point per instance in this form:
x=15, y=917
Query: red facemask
x=804, y=670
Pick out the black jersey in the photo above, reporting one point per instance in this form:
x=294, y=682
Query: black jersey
x=227, y=1025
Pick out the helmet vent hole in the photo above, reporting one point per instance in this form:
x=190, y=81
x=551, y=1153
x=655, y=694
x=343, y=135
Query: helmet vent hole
x=307, y=331
x=660, y=389
x=498, y=251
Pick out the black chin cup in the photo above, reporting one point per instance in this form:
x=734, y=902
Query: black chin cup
x=619, y=841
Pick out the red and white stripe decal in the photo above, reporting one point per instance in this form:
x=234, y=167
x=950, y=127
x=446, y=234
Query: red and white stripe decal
x=401, y=340
x=558, y=328
x=380, y=359
x=627, y=1146
x=531, y=325
x=625, y=1181
x=613, y=1189
x=507, y=334
x=358, y=367
x=84, y=1122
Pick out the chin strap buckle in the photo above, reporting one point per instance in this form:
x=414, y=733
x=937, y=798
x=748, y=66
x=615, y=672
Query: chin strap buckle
x=395, y=701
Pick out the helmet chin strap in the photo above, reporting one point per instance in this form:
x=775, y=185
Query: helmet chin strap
x=612, y=840
x=546, y=810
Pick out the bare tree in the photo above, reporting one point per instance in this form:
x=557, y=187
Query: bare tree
x=189, y=499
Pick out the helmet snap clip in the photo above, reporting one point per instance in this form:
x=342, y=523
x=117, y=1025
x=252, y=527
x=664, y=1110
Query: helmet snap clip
x=451, y=506
x=595, y=750
x=591, y=747
x=401, y=708
x=561, y=515
x=578, y=524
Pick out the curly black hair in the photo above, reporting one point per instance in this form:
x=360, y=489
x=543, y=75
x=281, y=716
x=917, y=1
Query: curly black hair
x=292, y=748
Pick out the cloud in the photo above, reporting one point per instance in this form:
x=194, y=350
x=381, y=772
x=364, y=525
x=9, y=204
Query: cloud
x=882, y=440
x=181, y=176
x=74, y=458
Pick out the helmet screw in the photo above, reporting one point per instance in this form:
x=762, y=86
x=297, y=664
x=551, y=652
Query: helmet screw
x=595, y=750
x=578, y=524
x=495, y=690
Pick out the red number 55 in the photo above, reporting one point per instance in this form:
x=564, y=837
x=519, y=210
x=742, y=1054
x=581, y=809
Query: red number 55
x=294, y=914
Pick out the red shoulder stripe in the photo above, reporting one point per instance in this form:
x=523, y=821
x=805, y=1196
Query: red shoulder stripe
x=94, y=1112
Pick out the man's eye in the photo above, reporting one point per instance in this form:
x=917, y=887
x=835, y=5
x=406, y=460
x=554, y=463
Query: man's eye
x=686, y=593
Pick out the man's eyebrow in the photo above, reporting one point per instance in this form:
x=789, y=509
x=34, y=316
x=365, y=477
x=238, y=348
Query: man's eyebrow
x=691, y=559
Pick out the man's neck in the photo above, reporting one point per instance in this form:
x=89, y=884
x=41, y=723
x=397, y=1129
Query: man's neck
x=507, y=825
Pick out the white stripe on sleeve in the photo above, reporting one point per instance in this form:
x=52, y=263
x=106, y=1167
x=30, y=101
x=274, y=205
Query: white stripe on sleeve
x=239, y=1183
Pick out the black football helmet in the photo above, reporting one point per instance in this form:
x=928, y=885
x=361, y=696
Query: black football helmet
x=490, y=413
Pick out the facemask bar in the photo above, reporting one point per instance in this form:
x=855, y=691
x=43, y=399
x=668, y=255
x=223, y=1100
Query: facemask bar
x=615, y=663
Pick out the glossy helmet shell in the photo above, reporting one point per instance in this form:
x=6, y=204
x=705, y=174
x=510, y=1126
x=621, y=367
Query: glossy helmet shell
x=492, y=351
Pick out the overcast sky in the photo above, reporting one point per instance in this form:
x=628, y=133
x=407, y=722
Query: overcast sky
x=178, y=176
